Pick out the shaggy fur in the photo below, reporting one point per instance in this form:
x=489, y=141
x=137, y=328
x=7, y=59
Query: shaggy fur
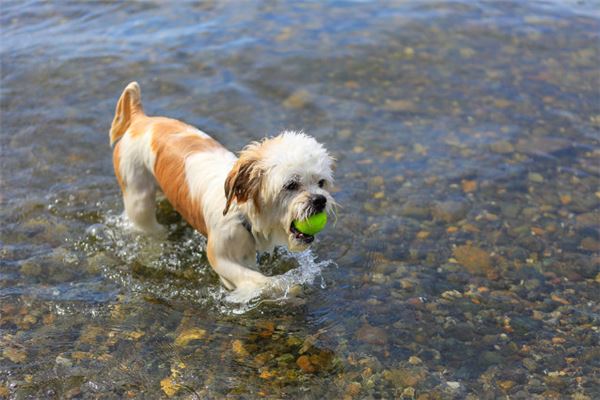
x=242, y=205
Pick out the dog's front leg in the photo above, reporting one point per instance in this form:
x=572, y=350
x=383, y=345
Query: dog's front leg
x=229, y=260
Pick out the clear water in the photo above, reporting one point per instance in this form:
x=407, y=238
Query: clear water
x=465, y=259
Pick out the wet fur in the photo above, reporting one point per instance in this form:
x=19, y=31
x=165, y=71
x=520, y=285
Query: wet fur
x=213, y=189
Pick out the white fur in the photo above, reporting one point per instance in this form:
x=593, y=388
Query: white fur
x=231, y=248
x=136, y=166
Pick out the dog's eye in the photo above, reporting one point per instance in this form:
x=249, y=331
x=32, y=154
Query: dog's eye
x=291, y=185
x=322, y=183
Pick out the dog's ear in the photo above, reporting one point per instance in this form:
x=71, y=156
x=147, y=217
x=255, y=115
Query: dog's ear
x=243, y=182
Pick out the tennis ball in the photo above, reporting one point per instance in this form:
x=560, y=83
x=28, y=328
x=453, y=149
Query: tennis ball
x=313, y=224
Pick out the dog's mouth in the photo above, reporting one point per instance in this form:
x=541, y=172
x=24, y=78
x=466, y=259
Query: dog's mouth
x=301, y=237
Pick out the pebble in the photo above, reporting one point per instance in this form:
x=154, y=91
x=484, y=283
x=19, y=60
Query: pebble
x=542, y=145
x=169, y=386
x=399, y=105
x=502, y=147
x=506, y=385
x=344, y=134
x=469, y=186
x=415, y=209
x=565, y=199
x=414, y=360
x=378, y=278
x=453, y=385
x=298, y=99
x=30, y=268
x=189, y=335
x=535, y=177
x=372, y=335
x=451, y=295
x=405, y=377
x=450, y=211
x=587, y=220
x=305, y=365
x=14, y=354
x=590, y=244
x=63, y=361
x=510, y=210
x=353, y=390
x=238, y=348
x=530, y=364
x=477, y=261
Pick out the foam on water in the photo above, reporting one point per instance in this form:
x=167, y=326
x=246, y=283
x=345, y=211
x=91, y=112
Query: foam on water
x=282, y=287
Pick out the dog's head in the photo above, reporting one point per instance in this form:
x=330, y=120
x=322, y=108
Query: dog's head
x=280, y=180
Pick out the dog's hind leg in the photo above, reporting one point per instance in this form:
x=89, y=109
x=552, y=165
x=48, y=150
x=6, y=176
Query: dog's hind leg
x=131, y=160
x=138, y=186
x=140, y=204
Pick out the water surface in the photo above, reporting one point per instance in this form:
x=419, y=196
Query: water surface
x=465, y=258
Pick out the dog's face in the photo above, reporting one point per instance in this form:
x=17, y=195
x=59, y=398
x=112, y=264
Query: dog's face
x=280, y=180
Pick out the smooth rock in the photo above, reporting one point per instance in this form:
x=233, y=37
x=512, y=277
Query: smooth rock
x=372, y=335
x=542, y=145
x=30, y=268
x=298, y=99
x=450, y=211
x=453, y=385
x=502, y=147
x=477, y=261
x=189, y=335
x=404, y=377
x=535, y=177
x=415, y=209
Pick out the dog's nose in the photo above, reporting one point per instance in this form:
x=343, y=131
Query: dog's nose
x=319, y=202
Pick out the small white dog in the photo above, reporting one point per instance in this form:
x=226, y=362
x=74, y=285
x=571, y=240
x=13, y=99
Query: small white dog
x=241, y=205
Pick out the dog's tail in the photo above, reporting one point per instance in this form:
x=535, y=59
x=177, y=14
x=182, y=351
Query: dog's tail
x=129, y=104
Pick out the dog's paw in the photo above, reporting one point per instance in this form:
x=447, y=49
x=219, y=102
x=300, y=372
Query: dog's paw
x=244, y=293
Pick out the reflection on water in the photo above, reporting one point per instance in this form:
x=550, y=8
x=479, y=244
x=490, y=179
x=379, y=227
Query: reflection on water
x=465, y=259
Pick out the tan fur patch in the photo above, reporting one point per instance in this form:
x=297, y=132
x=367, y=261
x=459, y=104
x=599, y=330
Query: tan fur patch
x=244, y=180
x=159, y=125
x=171, y=149
x=128, y=106
x=117, y=166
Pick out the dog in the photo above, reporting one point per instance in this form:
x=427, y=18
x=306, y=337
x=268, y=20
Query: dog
x=242, y=205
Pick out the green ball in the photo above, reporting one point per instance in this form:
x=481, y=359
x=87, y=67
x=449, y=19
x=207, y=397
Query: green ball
x=313, y=224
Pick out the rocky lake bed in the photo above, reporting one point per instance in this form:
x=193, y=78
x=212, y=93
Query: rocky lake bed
x=463, y=262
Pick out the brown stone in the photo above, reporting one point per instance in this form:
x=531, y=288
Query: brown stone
x=450, y=211
x=477, y=261
x=305, y=365
x=372, y=335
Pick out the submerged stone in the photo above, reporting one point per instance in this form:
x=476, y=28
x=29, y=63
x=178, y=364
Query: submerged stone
x=450, y=211
x=169, y=386
x=31, y=268
x=297, y=100
x=372, y=335
x=502, y=147
x=16, y=355
x=415, y=209
x=189, y=335
x=305, y=365
x=405, y=377
x=477, y=261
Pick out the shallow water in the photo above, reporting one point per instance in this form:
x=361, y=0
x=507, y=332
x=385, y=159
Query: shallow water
x=465, y=258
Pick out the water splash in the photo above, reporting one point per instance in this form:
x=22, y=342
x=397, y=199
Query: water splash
x=283, y=287
x=174, y=267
